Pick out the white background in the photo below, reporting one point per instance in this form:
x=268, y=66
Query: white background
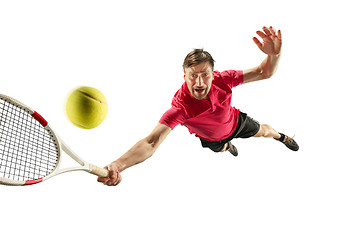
x=133, y=51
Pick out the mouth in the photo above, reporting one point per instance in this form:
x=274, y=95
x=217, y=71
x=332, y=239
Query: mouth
x=200, y=90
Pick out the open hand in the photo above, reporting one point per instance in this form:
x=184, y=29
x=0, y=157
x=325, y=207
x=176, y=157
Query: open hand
x=271, y=44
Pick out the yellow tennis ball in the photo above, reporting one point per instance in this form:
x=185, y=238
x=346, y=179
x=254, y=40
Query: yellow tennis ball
x=86, y=107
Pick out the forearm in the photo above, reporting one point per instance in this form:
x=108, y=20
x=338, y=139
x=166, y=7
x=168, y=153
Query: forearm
x=141, y=151
x=265, y=70
x=269, y=66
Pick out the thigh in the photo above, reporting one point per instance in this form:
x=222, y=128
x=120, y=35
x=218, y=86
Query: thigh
x=249, y=127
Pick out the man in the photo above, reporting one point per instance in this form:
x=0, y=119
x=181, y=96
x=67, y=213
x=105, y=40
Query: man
x=202, y=104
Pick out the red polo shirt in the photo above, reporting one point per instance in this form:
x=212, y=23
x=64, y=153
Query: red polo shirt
x=213, y=119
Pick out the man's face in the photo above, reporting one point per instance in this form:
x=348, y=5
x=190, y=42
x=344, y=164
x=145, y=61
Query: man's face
x=198, y=79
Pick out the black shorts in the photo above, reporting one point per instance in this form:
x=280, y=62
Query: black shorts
x=246, y=127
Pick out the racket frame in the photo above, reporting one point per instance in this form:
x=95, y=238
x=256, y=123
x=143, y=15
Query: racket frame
x=60, y=145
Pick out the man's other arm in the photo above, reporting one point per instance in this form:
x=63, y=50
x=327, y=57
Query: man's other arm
x=271, y=46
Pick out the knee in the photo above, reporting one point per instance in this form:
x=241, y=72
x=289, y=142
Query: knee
x=264, y=131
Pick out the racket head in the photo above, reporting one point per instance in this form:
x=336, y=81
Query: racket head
x=29, y=148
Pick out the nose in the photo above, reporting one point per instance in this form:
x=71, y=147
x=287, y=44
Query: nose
x=199, y=81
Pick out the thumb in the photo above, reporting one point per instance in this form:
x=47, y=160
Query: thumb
x=112, y=172
x=258, y=43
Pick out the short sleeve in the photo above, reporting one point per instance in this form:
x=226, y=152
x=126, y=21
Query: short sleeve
x=232, y=78
x=173, y=117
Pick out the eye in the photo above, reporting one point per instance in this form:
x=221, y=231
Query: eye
x=193, y=75
x=205, y=74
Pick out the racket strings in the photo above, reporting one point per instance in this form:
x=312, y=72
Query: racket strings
x=29, y=143
x=27, y=150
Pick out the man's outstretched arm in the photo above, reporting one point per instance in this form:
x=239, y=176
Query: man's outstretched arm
x=141, y=151
x=271, y=46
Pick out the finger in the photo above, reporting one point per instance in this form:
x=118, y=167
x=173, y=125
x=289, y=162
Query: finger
x=113, y=178
x=101, y=179
x=108, y=182
x=279, y=34
x=118, y=180
x=273, y=31
x=257, y=42
x=267, y=31
x=112, y=172
x=261, y=34
x=114, y=181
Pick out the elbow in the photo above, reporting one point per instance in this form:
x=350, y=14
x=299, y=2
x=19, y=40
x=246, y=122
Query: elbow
x=263, y=73
x=267, y=75
x=152, y=144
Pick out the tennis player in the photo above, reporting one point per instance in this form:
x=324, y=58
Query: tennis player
x=203, y=105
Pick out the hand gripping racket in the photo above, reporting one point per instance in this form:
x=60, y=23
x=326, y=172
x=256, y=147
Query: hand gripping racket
x=30, y=151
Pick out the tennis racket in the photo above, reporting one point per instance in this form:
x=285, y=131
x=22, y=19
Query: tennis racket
x=30, y=151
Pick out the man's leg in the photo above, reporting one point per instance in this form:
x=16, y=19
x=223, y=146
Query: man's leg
x=231, y=148
x=268, y=132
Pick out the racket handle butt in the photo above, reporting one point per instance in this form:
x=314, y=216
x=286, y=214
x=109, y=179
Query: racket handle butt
x=98, y=171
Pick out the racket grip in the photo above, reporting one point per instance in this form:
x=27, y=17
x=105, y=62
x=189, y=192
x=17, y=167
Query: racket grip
x=98, y=171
